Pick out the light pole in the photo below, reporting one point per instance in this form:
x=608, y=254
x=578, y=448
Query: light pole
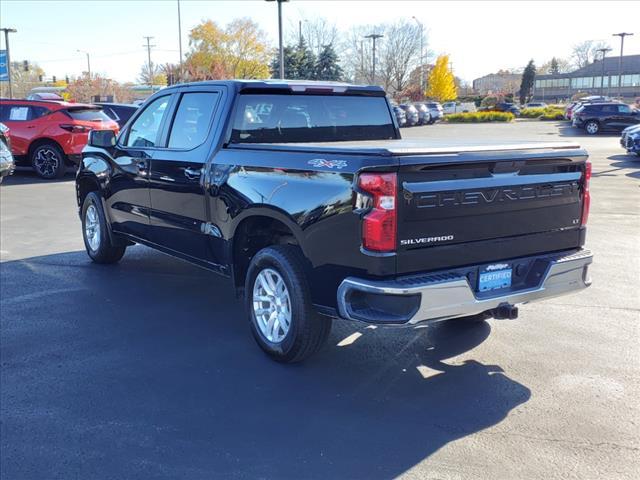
x=7, y=31
x=280, y=44
x=88, y=63
x=604, y=54
x=180, y=40
x=621, y=35
x=421, y=56
x=374, y=37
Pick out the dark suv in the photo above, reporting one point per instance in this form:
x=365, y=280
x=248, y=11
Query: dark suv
x=595, y=117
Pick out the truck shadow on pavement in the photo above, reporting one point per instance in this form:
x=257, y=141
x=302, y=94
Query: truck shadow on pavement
x=147, y=370
x=26, y=176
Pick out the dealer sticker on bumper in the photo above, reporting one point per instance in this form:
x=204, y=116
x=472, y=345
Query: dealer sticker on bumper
x=494, y=277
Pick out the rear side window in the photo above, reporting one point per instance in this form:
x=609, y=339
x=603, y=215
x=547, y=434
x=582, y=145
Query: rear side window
x=609, y=109
x=88, y=114
x=37, y=112
x=192, y=120
x=624, y=109
x=310, y=118
x=145, y=130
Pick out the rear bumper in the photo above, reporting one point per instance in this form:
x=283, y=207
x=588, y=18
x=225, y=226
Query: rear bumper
x=450, y=294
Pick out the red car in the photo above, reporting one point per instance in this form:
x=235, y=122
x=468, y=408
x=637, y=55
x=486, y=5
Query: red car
x=50, y=135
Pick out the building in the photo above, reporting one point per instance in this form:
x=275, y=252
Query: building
x=588, y=79
x=498, y=83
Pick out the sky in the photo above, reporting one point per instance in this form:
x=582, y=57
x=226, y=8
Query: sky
x=480, y=36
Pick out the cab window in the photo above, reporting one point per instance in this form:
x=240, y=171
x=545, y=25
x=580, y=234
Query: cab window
x=193, y=117
x=145, y=131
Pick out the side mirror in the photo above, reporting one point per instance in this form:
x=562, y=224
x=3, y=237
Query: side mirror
x=102, y=138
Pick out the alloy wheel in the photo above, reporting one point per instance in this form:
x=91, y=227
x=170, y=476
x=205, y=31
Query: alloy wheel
x=92, y=227
x=46, y=162
x=272, y=305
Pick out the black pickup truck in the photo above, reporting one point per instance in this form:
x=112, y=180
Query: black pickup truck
x=305, y=196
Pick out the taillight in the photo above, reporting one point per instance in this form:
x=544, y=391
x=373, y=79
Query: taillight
x=586, y=198
x=75, y=128
x=379, y=224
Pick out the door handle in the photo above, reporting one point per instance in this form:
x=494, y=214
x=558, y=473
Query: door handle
x=192, y=173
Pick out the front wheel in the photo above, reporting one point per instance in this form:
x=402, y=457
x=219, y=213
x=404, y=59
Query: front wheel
x=48, y=161
x=278, y=300
x=592, y=127
x=96, y=237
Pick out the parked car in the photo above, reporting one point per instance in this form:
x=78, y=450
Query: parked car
x=436, y=111
x=457, y=107
x=312, y=220
x=506, y=107
x=50, y=135
x=596, y=117
x=630, y=139
x=413, y=116
x=45, y=96
x=424, y=115
x=6, y=158
x=401, y=116
x=536, y=105
x=119, y=112
x=573, y=106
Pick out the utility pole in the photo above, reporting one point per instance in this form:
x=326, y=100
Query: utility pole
x=621, y=35
x=88, y=63
x=604, y=54
x=149, y=46
x=300, y=33
x=7, y=31
x=180, y=41
x=374, y=37
x=421, y=56
x=280, y=44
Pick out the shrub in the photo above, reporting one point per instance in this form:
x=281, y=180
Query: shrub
x=532, y=112
x=479, y=117
x=547, y=113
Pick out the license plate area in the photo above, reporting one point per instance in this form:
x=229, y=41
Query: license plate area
x=494, y=277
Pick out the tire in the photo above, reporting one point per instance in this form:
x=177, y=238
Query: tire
x=96, y=237
x=307, y=331
x=592, y=127
x=48, y=161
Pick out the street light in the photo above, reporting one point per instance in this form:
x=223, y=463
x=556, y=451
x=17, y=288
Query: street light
x=180, y=41
x=280, y=45
x=88, y=62
x=604, y=54
x=421, y=56
x=621, y=35
x=7, y=31
x=374, y=37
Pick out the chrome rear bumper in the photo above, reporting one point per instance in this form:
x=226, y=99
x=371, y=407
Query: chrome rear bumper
x=449, y=294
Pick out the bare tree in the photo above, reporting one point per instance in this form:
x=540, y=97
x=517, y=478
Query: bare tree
x=317, y=33
x=586, y=52
x=399, y=54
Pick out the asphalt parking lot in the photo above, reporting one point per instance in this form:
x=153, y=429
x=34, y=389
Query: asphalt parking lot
x=147, y=369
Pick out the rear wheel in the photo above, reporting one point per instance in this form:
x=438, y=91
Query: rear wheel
x=592, y=127
x=282, y=318
x=48, y=160
x=96, y=237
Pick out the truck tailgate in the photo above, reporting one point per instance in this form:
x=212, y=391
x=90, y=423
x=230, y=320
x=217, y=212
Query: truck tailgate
x=479, y=206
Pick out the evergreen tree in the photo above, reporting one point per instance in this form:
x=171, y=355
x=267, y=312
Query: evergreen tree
x=305, y=61
x=327, y=66
x=528, y=77
x=554, y=67
x=290, y=64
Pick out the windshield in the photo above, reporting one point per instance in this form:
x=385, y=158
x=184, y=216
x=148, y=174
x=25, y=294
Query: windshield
x=88, y=114
x=310, y=118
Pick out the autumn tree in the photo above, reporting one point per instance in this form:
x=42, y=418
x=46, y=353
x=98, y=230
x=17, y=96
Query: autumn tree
x=22, y=81
x=441, y=83
x=236, y=51
x=83, y=89
x=526, y=86
x=152, y=75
